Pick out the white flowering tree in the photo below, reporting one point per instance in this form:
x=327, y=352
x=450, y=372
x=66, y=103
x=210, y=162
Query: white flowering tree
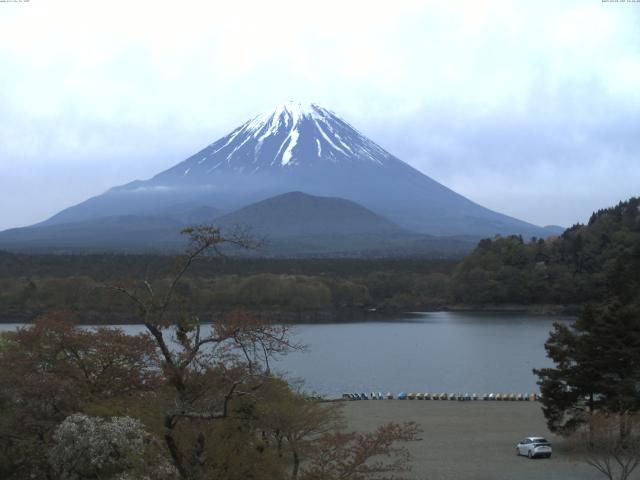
x=115, y=448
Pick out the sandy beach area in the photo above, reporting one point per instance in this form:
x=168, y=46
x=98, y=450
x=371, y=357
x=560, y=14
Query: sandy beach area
x=472, y=440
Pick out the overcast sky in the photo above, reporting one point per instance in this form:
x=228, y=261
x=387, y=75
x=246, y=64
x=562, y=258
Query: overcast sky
x=529, y=108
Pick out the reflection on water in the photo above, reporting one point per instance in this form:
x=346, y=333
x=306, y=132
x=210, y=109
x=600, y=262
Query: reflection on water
x=430, y=352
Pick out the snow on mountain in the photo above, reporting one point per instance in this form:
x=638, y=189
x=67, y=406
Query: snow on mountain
x=292, y=135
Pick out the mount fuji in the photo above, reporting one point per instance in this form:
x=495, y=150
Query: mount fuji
x=294, y=148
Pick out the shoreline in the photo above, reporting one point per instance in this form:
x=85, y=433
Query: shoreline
x=534, y=309
x=326, y=316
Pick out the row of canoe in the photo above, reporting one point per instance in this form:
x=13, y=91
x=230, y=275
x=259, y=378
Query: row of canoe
x=532, y=397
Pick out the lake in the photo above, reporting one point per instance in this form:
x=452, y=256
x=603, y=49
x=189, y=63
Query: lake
x=428, y=352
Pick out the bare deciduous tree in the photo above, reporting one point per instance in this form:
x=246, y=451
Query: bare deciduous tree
x=206, y=367
x=602, y=446
x=362, y=456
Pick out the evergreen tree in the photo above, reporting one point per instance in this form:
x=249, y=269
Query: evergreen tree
x=597, y=358
x=568, y=391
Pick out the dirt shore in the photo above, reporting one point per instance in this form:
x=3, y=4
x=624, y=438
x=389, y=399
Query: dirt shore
x=472, y=440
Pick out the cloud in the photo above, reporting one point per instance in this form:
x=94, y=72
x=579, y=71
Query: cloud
x=519, y=106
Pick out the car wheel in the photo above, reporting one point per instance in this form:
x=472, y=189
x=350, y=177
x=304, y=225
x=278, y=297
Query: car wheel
x=529, y=454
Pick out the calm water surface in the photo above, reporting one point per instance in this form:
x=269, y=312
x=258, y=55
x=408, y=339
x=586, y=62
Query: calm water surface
x=429, y=352
x=436, y=352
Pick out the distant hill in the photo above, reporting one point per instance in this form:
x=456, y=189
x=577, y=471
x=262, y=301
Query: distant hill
x=297, y=224
x=296, y=213
x=293, y=224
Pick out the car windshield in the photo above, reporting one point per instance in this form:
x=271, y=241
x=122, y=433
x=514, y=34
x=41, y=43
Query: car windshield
x=540, y=440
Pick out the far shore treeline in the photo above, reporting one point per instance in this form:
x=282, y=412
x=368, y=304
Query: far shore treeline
x=555, y=274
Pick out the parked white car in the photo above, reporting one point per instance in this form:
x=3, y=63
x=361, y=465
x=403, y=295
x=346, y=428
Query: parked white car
x=534, y=447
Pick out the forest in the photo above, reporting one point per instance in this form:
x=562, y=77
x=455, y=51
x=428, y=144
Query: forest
x=558, y=274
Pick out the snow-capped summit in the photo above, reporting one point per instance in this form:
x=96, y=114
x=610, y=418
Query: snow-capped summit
x=293, y=134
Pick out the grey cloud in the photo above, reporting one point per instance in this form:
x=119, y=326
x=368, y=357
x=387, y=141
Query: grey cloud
x=529, y=108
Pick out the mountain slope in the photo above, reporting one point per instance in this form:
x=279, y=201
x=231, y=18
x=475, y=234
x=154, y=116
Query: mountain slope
x=309, y=149
x=117, y=232
x=292, y=225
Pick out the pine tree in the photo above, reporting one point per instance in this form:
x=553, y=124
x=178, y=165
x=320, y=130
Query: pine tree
x=597, y=361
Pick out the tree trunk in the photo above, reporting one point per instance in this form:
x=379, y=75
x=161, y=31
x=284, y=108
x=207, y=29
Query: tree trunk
x=296, y=465
x=176, y=456
x=622, y=423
